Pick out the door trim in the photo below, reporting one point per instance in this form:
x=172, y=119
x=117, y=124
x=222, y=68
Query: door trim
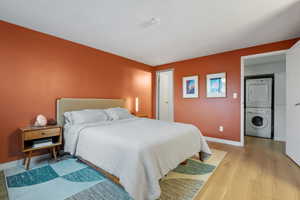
x=157, y=92
x=243, y=58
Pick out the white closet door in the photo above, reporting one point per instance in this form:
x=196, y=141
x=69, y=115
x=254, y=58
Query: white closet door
x=293, y=103
x=165, y=96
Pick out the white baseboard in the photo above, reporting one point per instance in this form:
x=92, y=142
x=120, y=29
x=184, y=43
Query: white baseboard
x=16, y=163
x=280, y=139
x=224, y=141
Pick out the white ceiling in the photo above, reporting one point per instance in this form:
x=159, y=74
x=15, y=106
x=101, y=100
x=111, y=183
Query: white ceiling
x=186, y=28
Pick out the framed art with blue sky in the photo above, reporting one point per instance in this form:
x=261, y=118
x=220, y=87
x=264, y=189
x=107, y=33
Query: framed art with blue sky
x=190, y=87
x=216, y=85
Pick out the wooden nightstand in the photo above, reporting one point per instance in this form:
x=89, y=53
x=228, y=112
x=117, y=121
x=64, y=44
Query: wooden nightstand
x=32, y=134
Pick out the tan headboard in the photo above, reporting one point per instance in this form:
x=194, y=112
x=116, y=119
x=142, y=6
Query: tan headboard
x=69, y=104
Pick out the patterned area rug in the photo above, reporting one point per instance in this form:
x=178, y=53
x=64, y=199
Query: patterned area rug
x=69, y=179
x=186, y=181
x=3, y=191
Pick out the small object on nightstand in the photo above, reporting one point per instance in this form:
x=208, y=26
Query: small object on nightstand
x=36, y=138
x=41, y=120
x=143, y=115
x=51, y=122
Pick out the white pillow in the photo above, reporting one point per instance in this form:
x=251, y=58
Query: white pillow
x=68, y=118
x=85, y=116
x=118, y=113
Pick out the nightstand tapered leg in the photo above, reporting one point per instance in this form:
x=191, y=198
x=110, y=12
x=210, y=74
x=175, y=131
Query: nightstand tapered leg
x=54, y=153
x=51, y=153
x=27, y=162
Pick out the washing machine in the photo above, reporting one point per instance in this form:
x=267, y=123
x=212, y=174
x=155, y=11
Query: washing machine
x=259, y=122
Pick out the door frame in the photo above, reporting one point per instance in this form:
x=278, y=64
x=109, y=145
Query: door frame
x=242, y=87
x=157, y=92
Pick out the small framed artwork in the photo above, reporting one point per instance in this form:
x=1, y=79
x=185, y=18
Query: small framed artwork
x=216, y=85
x=190, y=87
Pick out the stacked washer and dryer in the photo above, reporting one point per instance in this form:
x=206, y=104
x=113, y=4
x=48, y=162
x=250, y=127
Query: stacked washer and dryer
x=259, y=93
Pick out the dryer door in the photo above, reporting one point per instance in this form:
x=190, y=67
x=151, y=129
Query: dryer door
x=259, y=93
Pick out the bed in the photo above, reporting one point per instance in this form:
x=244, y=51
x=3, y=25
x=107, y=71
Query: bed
x=134, y=152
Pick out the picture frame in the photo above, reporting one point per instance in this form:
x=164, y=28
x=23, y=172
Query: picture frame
x=216, y=85
x=190, y=86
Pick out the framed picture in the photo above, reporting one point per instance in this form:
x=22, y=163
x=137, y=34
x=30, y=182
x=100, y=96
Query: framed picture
x=190, y=87
x=216, y=85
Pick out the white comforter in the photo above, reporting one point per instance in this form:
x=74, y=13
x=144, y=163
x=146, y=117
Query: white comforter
x=138, y=151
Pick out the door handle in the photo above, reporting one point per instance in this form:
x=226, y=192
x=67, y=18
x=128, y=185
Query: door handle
x=297, y=104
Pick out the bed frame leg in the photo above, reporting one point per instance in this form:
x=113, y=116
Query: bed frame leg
x=201, y=156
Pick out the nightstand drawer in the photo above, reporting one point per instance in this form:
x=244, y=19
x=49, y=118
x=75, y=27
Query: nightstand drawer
x=31, y=135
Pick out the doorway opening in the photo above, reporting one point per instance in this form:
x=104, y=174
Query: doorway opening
x=259, y=105
x=165, y=92
x=264, y=90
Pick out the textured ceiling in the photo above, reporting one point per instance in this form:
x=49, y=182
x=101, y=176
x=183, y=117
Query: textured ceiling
x=185, y=29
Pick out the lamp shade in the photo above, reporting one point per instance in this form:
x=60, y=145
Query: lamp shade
x=137, y=104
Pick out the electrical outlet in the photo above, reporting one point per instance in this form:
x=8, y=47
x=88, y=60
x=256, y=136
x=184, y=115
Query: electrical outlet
x=221, y=128
x=235, y=95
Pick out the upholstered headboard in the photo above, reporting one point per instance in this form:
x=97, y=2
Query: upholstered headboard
x=70, y=104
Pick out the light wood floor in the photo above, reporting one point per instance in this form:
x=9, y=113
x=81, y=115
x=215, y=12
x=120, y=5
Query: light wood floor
x=259, y=171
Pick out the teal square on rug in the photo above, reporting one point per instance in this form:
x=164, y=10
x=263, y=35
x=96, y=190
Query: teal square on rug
x=32, y=177
x=66, y=179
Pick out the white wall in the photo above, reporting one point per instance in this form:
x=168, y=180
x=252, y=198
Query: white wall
x=279, y=70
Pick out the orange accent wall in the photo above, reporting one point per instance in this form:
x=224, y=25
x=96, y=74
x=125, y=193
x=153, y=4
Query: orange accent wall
x=36, y=69
x=209, y=113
